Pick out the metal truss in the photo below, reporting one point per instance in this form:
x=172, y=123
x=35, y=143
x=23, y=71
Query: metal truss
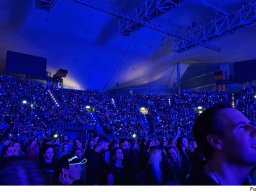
x=217, y=9
x=150, y=10
x=45, y=4
x=145, y=24
x=220, y=25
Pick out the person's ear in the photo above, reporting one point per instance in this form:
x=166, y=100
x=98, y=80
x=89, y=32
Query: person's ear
x=215, y=141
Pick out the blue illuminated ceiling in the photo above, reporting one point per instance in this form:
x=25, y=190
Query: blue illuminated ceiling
x=88, y=42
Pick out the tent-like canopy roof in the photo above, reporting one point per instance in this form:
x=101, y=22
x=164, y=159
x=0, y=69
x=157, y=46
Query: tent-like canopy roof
x=85, y=37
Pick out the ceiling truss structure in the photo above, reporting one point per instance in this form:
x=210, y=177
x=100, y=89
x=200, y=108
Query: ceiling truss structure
x=145, y=24
x=216, y=8
x=150, y=10
x=220, y=25
x=198, y=34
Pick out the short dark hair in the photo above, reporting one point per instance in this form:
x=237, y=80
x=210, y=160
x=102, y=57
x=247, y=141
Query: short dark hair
x=206, y=123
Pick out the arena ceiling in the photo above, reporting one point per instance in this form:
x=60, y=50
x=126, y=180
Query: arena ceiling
x=87, y=40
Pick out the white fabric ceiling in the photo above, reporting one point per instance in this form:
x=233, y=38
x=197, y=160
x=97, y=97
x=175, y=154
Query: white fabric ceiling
x=87, y=42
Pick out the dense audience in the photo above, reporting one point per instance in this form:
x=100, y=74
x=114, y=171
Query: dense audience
x=163, y=151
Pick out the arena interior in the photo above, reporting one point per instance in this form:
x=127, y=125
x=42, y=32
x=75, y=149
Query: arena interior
x=108, y=92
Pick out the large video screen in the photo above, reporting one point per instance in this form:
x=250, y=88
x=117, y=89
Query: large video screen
x=21, y=63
